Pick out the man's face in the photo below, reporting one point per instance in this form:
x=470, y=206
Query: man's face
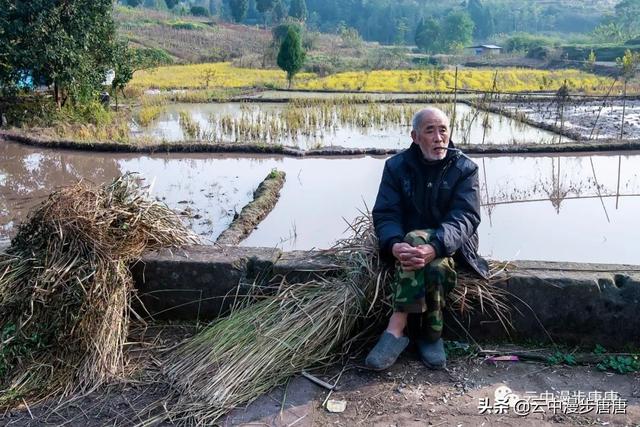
x=433, y=136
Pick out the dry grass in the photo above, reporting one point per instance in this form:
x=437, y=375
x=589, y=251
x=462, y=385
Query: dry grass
x=65, y=286
x=199, y=41
x=117, y=130
x=271, y=336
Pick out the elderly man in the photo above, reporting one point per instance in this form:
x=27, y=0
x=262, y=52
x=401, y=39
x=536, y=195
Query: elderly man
x=426, y=216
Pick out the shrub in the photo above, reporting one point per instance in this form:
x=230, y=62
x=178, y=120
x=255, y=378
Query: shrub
x=33, y=111
x=524, y=42
x=541, y=52
x=184, y=25
x=310, y=40
x=149, y=57
x=320, y=66
x=199, y=11
x=350, y=37
x=91, y=112
x=604, y=52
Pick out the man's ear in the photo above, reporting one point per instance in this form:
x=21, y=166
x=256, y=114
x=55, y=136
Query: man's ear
x=413, y=135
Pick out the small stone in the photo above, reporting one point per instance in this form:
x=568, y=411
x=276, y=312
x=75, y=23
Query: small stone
x=336, y=406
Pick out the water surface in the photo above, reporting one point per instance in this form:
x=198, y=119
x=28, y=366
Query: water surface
x=472, y=127
x=560, y=208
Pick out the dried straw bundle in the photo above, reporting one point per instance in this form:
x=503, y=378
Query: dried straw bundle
x=261, y=344
x=472, y=293
x=65, y=286
x=272, y=337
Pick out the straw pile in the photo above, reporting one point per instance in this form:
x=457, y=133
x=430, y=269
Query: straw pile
x=272, y=337
x=65, y=286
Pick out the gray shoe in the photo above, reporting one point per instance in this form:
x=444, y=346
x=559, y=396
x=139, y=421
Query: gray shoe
x=386, y=351
x=432, y=353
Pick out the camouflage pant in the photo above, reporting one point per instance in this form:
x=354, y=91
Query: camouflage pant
x=424, y=290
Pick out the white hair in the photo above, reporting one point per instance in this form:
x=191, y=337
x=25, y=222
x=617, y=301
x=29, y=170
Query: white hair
x=417, y=117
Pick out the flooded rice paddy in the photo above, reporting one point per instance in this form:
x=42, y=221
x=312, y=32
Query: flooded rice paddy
x=559, y=208
x=308, y=124
x=590, y=119
x=398, y=96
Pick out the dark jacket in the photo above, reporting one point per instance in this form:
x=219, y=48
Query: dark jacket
x=415, y=195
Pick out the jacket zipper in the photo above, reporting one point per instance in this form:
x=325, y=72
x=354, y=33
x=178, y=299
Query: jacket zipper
x=435, y=188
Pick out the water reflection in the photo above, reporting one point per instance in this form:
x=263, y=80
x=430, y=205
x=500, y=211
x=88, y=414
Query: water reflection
x=354, y=126
x=206, y=192
x=569, y=208
x=534, y=207
x=28, y=176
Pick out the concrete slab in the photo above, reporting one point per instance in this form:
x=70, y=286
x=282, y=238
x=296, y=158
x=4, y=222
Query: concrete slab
x=199, y=282
x=571, y=303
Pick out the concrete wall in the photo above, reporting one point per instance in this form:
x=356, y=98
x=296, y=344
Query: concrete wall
x=568, y=303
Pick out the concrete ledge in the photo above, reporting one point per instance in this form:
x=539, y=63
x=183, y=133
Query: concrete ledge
x=570, y=303
x=200, y=281
x=333, y=151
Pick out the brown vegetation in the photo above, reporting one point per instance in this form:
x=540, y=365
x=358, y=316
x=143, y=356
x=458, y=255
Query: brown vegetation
x=65, y=290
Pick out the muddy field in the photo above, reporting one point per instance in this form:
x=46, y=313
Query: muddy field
x=600, y=119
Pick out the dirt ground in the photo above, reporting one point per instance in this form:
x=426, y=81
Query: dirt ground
x=406, y=395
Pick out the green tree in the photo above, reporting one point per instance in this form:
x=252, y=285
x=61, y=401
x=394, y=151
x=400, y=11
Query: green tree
x=298, y=9
x=627, y=15
x=134, y=3
x=279, y=11
x=238, y=9
x=279, y=32
x=68, y=44
x=291, y=55
x=402, y=27
x=156, y=4
x=264, y=6
x=8, y=73
x=457, y=30
x=123, y=67
x=611, y=32
x=428, y=36
x=482, y=19
x=171, y=3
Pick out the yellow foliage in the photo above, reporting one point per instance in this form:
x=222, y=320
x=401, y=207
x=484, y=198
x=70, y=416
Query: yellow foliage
x=508, y=79
x=225, y=75
x=148, y=114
